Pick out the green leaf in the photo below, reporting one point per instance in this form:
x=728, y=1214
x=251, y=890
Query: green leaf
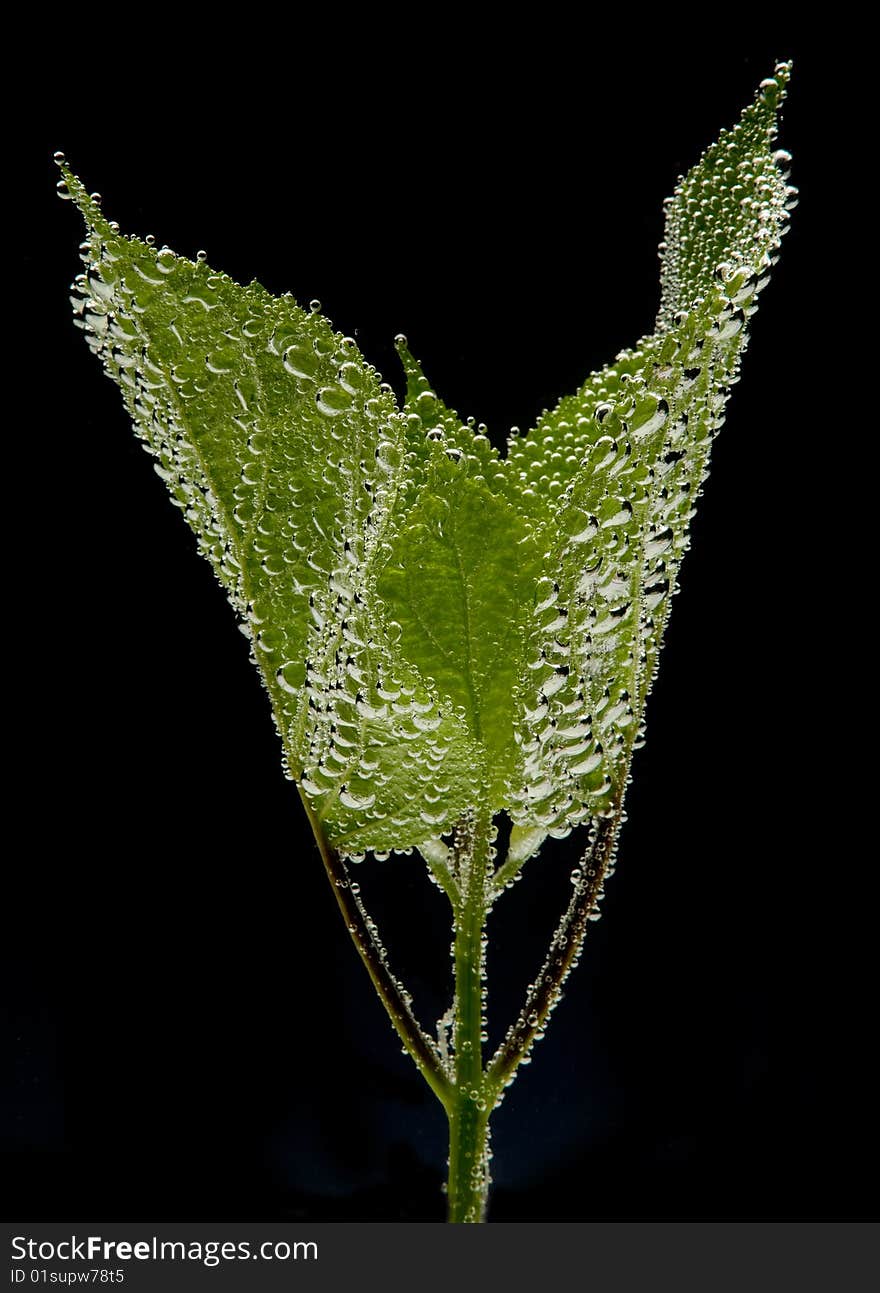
x=277, y=441
x=612, y=475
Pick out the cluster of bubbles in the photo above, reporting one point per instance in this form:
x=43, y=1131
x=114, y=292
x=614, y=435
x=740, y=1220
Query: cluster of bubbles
x=736, y=198
x=114, y=303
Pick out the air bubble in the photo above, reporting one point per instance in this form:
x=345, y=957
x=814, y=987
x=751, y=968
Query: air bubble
x=355, y=801
x=301, y=361
x=332, y=401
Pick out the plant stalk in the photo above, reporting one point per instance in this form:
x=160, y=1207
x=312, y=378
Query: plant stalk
x=469, y=1108
x=393, y=997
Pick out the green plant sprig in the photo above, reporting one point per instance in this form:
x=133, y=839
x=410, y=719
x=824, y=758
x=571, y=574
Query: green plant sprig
x=446, y=634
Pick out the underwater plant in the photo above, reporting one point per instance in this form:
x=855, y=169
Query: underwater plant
x=446, y=635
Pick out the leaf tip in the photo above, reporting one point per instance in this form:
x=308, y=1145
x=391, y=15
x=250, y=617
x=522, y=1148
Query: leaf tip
x=70, y=188
x=773, y=89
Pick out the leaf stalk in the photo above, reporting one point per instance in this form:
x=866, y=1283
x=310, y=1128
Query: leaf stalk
x=396, y=1001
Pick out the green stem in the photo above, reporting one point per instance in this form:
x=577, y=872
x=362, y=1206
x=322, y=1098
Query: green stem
x=469, y=1108
x=468, y=1186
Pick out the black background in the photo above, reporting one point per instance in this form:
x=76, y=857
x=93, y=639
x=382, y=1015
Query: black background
x=192, y=1034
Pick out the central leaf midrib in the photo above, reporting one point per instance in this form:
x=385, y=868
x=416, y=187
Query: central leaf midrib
x=448, y=655
x=475, y=710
